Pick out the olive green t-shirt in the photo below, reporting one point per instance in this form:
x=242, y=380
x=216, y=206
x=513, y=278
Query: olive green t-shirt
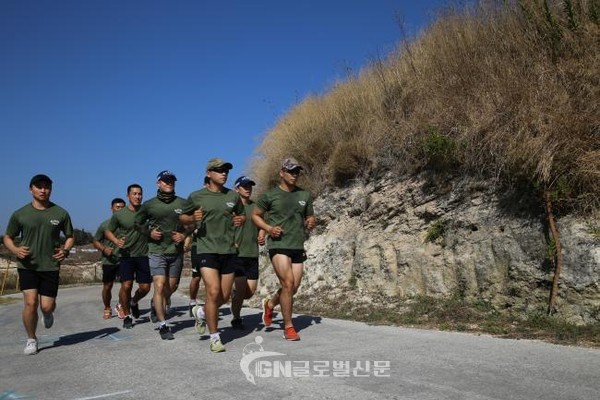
x=215, y=233
x=248, y=237
x=122, y=224
x=113, y=259
x=40, y=231
x=287, y=210
x=165, y=217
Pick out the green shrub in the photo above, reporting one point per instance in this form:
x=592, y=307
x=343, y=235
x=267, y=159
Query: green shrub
x=436, y=231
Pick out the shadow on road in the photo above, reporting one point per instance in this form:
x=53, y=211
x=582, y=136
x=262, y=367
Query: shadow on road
x=80, y=337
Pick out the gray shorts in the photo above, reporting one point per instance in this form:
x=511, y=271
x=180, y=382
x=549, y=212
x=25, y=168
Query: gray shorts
x=166, y=264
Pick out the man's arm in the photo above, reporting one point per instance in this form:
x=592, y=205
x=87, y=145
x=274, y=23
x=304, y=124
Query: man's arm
x=20, y=251
x=258, y=220
x=104, y=250
x=64, y=251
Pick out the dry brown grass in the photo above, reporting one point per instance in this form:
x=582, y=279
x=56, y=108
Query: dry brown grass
x=505, y=89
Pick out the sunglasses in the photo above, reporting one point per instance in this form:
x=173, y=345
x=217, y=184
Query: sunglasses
x=220, y=170
x=295, y=171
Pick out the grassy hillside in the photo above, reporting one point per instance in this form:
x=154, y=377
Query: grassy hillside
x=504, y=89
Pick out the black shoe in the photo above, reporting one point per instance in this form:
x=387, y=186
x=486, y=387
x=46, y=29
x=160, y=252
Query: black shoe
x=135, y=310
x=165, y=332
x=236, y=323
x=128, y=322
x=153, y=316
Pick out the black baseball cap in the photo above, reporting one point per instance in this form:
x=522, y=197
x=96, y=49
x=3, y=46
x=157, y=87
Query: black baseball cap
x=243, y=181
x=166, y=176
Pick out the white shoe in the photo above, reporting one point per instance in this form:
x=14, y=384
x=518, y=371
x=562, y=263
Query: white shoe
x=31, y=347
x=200, y=324
x=198, y=311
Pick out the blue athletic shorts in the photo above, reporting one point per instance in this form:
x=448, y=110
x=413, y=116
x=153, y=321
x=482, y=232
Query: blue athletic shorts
x=138, y=267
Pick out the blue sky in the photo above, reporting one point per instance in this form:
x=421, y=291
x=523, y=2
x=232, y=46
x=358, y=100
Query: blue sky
x=101, y=94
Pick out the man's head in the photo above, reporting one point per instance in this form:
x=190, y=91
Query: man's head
x=290, y=164
x=116, y=204
x=218, y=164
x=39, y=180
x=166, y=181
x=40, y=187
x=217, y=170
x=290, y=170
x=243, y=185
x=135, y=194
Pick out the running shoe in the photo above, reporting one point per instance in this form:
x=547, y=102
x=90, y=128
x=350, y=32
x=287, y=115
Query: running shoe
x=48, y=320
x=135, y=310
x=165, y=332
x=200, y=322
x=128, y=322
x=267, y=316
x=107, y=313
x=119, y=311
x=216, y=346
x=153, y=316
x=236, y=323
x=31, y=347
x=291, y=334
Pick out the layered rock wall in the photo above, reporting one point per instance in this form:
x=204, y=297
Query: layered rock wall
x=420, y=236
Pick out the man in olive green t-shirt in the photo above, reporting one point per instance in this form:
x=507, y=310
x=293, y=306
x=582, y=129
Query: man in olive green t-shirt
x=246, y=261
x=110, y=261
x=289, y=211
x=217, y=211
x=133, y=248
x=38, y=226
x=165, y=246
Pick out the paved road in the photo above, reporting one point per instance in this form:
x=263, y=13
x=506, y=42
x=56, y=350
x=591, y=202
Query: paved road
x=86, y=357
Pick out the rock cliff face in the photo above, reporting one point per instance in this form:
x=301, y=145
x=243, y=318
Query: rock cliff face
x=447, y=237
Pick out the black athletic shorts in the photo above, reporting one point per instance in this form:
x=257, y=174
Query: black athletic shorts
x=109, y=272
x=246, y=266
x=297, y=256
x=45, y=282
x=221, y=262
x=138, y=267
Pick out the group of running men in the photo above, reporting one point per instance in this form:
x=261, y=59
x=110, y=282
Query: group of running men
x=146, y=241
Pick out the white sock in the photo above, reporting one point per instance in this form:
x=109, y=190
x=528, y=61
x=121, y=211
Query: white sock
x=192, y=302
x=200, y=313
x=215, y=336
